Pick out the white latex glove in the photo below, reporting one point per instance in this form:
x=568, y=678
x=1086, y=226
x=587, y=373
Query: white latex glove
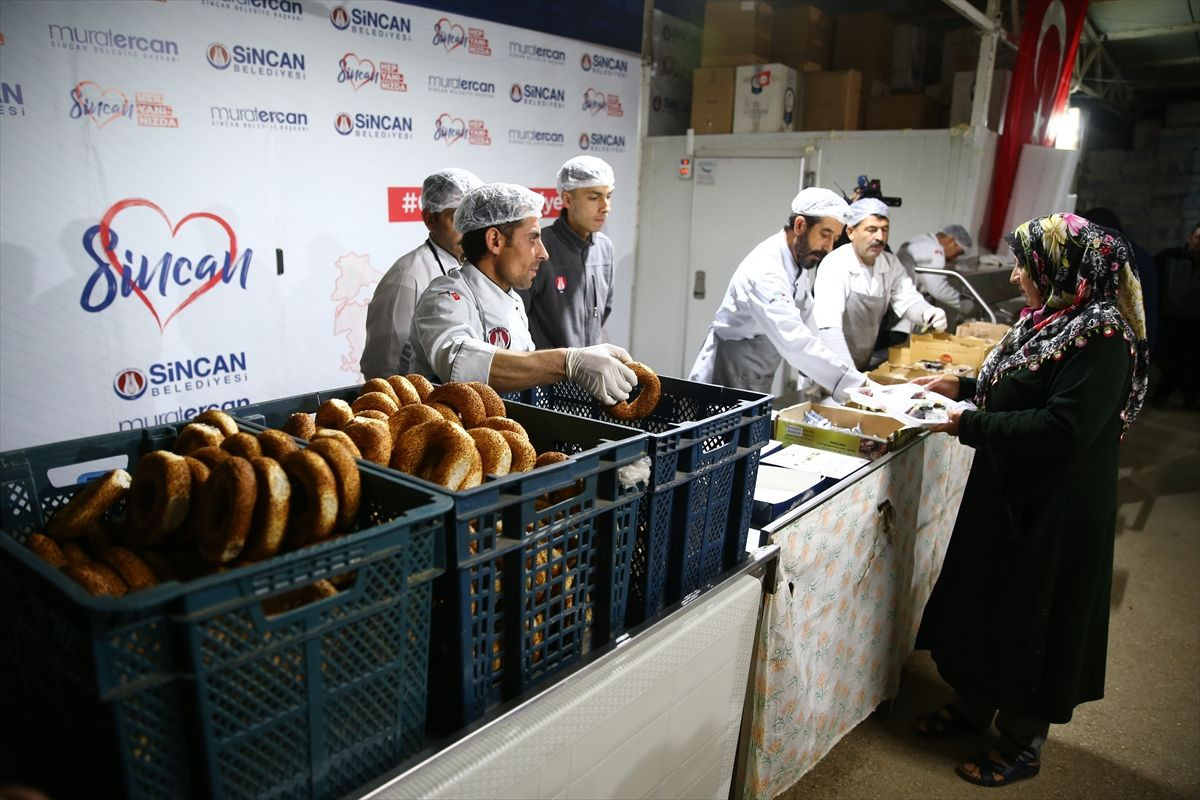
x=934, y=317
x=601, y=371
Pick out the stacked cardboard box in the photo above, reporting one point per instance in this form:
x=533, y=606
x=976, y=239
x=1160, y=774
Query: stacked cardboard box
x=864, y=42
x=802, y=38
x=962, y=97
x=832, y=101
x=901, y=111
x=765, y=99
x=712, y=99
x=736, y=33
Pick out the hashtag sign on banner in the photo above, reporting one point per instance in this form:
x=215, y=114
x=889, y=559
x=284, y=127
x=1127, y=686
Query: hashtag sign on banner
x=404, y=204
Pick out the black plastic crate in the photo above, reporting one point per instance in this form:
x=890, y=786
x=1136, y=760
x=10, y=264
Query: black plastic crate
x=570, y=562
x=704, y=443
x=190, y=689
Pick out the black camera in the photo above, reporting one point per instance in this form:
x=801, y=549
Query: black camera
x=870, y=187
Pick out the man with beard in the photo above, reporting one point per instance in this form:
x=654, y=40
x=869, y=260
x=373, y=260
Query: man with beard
x=859, y=281
x=766, y=315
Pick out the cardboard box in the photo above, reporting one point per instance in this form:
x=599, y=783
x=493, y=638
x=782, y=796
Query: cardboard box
x=765, y=100
x=712, y=99
x=880, y=433
x=944, y=347
x=779, y=490
x=889, y=374
x=675, y=45
x=963, y=95
x=897, y=112
x=832, y=101
x=864, y=42
x=803, y=38
x=736, y=32
x=908, y=58
x=990, y=331
x=670, y=111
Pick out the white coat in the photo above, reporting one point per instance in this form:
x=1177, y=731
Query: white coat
x=389, y=316
x=769, y=296
x=852, y=298
x=925, y=250
x=461, y=320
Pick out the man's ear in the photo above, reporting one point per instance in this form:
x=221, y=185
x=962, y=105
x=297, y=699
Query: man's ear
x=493, y=238
x=800, y=225
x=567, y=199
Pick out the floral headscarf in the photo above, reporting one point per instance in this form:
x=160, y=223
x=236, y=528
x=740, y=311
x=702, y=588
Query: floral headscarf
x=1090, y=287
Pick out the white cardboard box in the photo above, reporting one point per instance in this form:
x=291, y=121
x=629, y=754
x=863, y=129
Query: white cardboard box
x=766, y=99
x=963, y=93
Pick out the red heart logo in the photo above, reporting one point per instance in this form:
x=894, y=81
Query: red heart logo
x=450, y=129
x=91, y=102
x=594, y=100
x=448, y=34
x=365, y=73
x=106, y=244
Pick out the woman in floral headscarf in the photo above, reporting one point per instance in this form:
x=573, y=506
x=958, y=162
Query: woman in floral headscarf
x=1018, y=621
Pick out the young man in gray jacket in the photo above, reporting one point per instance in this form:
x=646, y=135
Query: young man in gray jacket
x=571, y=296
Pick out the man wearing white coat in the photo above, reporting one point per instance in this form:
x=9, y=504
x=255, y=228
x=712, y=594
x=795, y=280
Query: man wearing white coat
x=859, y=281
x=470, y=324
x=766, y=314
x=389, y=316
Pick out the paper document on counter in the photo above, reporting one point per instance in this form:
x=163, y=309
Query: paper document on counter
x=810, y=459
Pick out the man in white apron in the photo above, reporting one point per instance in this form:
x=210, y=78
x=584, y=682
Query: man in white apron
x=859, y=281
x=389, y=316
x=766, y=314
x=470, y=324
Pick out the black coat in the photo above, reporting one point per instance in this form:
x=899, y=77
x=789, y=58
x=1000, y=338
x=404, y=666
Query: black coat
x=1019, y=616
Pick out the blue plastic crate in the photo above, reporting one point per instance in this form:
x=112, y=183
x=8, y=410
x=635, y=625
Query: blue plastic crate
x=570, y=563
x=704, y=443
x=191, y=689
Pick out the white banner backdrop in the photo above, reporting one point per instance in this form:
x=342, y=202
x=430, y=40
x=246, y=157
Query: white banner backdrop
x=199, y=196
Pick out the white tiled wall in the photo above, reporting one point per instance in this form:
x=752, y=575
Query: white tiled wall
x=660, y=719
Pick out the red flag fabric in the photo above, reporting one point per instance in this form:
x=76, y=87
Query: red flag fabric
x=1038, y=93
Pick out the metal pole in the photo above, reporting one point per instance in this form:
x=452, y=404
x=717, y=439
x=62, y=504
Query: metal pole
x=951, y=273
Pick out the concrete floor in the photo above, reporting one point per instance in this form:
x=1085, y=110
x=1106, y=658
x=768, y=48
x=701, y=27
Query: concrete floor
x=1143, y=739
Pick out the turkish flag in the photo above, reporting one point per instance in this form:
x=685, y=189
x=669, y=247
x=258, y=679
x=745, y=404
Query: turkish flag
x=1038, y=93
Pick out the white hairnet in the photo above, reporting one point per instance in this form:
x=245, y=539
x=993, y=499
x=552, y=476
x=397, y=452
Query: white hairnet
x=495, y=204
x=959, y=234
x=445, y=188
x=866, y=207
x=584, y=171
x=817, y=202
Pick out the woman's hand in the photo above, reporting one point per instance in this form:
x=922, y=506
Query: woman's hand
x=945, y=385
x=950, y=426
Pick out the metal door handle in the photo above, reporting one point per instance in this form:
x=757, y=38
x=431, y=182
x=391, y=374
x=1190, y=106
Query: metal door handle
x=698, y=285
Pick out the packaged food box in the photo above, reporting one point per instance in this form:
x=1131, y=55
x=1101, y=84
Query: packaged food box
x=856, y=433
x=944, y=347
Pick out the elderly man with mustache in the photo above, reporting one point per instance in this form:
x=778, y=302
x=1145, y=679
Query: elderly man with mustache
x=858, y=281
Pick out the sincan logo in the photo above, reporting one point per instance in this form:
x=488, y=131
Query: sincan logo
x=343, y=124
x=515, y=93
x=340, y=17
x=130, y=384
x=218, y=56
x=584, y=143
x=586, y=62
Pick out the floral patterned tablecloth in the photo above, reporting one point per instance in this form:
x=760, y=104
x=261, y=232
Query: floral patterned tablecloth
x=854, y=575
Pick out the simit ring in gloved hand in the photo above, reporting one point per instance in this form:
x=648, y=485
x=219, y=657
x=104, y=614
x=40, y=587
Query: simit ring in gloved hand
x=934, y=317
x=601, y=371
